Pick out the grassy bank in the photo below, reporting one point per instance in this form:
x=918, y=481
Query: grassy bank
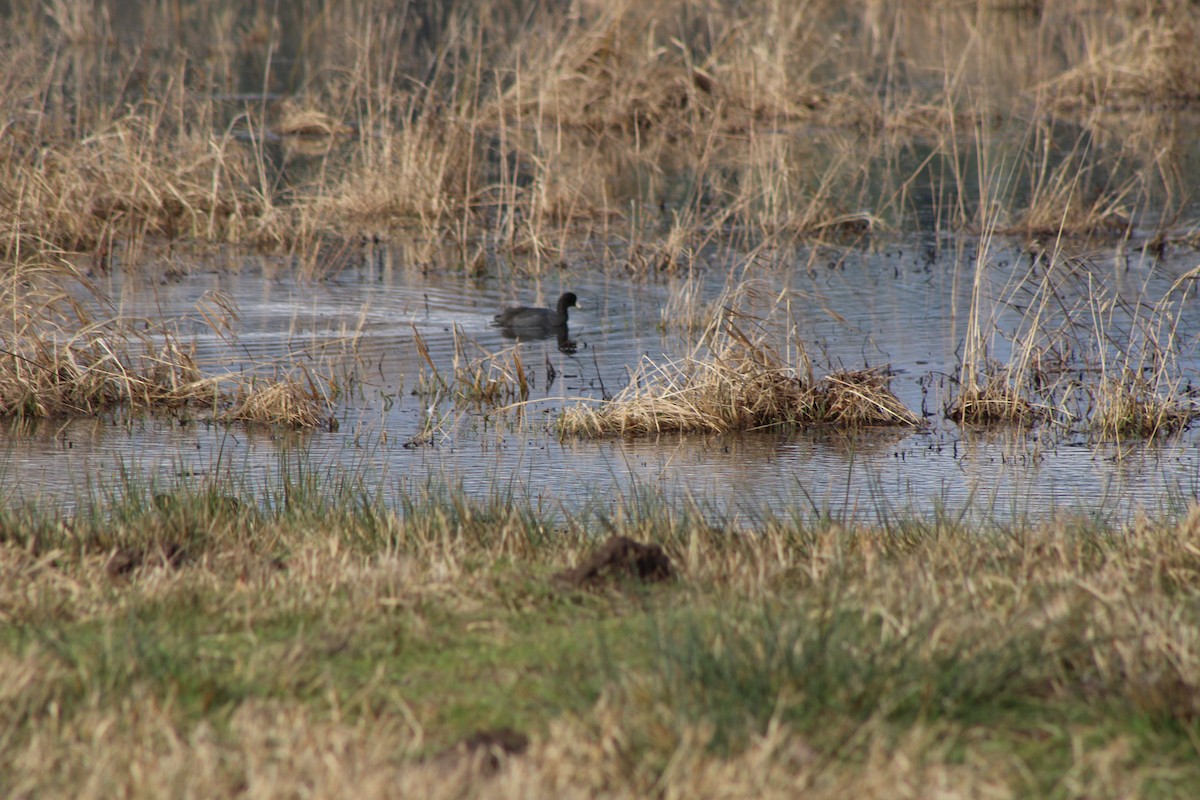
x=213, y=641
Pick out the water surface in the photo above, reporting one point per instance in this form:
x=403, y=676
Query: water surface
x=901, y=305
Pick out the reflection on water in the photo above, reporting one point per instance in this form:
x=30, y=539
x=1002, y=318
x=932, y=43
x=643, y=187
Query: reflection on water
x=561, y=334
x=902, y=306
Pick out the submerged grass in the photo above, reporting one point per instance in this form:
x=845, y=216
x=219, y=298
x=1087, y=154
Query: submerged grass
x=312, y=636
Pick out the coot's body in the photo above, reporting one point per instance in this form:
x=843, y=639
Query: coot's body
x=537, y=321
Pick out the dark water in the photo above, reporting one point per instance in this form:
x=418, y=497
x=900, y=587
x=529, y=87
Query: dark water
x=902, y=304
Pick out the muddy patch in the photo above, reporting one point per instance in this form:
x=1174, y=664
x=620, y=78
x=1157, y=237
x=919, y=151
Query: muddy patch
x=124, y=560
x=484, y=752
x=618, y=559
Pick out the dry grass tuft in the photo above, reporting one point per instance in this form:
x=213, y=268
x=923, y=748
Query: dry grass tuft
x=65, y=351
x=289, y=402
x=1141, y=391
x=135, y=176
x=742, y=383
x=488, y=378
x=420, y=171
x=1084, y=353
x=295, y=120
x=993, y=402
x=1130, y=407
x=861, y=398
x=608, y=75
x=477, y=375
x=1059, y=202
x=63, y=354
x=743, y=386
x=1143, y=51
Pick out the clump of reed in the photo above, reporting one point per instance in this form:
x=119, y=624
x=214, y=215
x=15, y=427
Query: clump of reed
x=141, y=173
x=602, y=73
x=990, y=392
x=488, y=378
x=1073, y=191
x=736, y=380
x=1142, y=52
x=420, y=170
x=476, y=374
x=1142, y=392
x=65, y=351
x=287, y=401
x=1075, y=320
x=62, y=353
x=1130, y=406
x=994, y=401
x=307, y=122
x=860, y=398
x=733, y=391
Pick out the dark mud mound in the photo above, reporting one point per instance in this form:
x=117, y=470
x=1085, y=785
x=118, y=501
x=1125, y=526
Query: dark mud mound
x=619, y=558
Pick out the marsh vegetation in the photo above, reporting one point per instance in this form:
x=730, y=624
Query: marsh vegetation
x=281, y=630
x=652, y=138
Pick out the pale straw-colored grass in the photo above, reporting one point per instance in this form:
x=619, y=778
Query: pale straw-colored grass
x=296, y=403
x=535, y=124
x=65, y=351
x=737, y=380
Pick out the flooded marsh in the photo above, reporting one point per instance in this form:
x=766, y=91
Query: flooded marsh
x=842, y=440
x=422, y=382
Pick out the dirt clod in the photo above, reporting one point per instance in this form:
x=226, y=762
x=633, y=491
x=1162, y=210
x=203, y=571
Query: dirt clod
x=125, y=560
x=619, y=557
x=485, y=751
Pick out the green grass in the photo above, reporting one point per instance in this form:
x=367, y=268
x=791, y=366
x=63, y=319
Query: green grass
x=205, y=657
x=1056, y=661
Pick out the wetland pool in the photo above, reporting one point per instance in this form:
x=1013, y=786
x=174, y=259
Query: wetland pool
x=902, y=305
